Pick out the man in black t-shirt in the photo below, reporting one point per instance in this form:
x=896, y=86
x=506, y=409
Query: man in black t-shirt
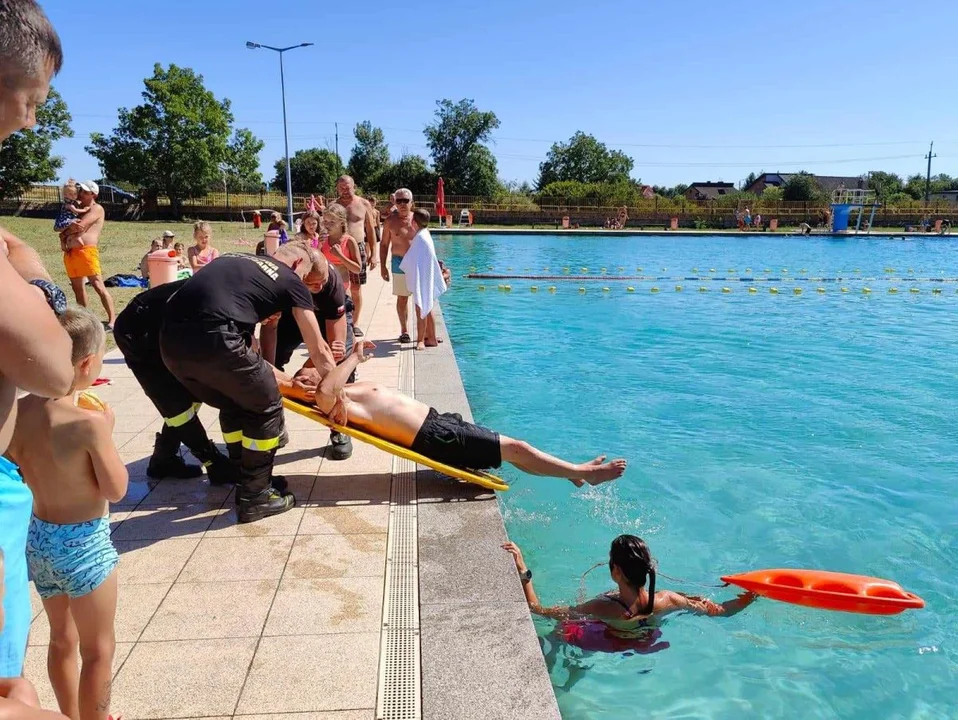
x=137, y=334
x=206, y=342
x=334, y=313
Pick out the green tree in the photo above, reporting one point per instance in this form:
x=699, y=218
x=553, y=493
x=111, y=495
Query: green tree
x=312, y=171
x=670, y=192
x=176, y=143
x=623, y=192
x=772, y=194
x=456, y=140
x=410, y=171
x=885, y=184
x=585, y=159
x=370, y=156
x=801, y=187
x=25, y=157
x=749, y=179
x=241, y=169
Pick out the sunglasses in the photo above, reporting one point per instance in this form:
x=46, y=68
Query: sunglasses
x=403, y=201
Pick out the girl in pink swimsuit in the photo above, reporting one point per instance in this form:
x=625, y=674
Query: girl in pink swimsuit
x=340, y=249
x=202, y=253
x=309, y=228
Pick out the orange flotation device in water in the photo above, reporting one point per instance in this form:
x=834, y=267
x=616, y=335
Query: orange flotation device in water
x=829, y=590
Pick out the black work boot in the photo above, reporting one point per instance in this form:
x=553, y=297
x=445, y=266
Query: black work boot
x=250, y=508
x=221, y=470
x=340, y=446
x=279, y=483
x=166, y=461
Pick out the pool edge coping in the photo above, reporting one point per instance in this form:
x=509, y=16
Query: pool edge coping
x=491, y=612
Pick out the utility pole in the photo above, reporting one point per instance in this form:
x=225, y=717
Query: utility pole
x=928, y=157
x=282, y=84
x=337, y=144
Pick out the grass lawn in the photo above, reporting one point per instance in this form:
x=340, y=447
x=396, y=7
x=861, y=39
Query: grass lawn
x=122, y=246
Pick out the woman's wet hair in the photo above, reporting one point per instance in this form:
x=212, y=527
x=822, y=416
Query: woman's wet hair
x=634, y=559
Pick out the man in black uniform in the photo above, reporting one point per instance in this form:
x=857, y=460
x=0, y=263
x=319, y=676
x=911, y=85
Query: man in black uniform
x=206, y=343
x=334, y=314
x=137, y=334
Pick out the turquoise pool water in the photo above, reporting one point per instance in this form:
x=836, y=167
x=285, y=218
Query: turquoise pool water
x=763, y=430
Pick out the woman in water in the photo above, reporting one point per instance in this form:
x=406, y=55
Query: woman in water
x=631, y=565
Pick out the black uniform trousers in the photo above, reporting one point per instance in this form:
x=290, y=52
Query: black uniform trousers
x=215, y=363
x=140, y=345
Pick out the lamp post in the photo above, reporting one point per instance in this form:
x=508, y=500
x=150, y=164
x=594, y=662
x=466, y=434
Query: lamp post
x=282, y=82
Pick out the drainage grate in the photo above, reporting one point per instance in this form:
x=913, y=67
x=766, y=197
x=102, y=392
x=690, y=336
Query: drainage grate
x=399, y=694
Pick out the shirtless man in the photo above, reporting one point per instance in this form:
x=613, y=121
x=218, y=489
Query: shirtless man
x=377, y=217
x=83, y=263
x=359, y=224
x=446, y=437
x=398, y=233
x=34, y=349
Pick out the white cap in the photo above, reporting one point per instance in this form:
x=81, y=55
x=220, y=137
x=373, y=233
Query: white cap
x=168, y=234
x=89, y=186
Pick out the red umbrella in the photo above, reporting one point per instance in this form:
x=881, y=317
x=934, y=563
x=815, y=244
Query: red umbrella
x=441, y=199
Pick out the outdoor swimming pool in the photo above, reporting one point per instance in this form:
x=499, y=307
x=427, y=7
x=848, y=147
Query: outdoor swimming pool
x=763, y=430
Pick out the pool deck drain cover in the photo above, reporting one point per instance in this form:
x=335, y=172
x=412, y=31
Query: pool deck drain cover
x=399, y=695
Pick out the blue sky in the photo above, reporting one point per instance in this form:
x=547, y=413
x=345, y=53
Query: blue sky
x=692, y=90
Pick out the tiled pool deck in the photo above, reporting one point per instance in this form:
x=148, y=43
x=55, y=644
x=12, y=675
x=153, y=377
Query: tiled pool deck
x=283, y=618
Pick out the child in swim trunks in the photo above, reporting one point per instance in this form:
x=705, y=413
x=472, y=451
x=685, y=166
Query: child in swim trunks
x=446, y=438
x=69, y=216
x=68, y=459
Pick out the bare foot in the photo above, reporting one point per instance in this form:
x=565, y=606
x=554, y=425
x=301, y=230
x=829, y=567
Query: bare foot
x=433, y=343
x=599, y=471
x=420, y=345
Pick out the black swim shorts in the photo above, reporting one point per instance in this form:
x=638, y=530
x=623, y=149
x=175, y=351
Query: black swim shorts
x=449, y=439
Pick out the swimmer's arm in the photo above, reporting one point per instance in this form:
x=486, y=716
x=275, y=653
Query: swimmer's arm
x=370, y=232
x=319, y=351
x=86, y=223
x=25, y=260
x=14, y=710
x=353, y=265
x=110, y=471
x=334, y=381
x=34, y=349
x=384, y=243
x=703, y=606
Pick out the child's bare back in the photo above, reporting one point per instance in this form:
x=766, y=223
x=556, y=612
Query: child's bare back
x=58, y=446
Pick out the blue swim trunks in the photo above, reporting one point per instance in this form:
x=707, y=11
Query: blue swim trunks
x=395, y=264
x=16, y=504
x=71, y=560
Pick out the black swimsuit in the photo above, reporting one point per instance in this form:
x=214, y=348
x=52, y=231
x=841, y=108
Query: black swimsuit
x=615, y=598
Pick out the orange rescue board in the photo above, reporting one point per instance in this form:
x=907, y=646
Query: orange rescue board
x=829, y=590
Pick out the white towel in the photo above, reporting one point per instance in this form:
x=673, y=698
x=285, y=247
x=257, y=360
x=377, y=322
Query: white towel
x=423, y=274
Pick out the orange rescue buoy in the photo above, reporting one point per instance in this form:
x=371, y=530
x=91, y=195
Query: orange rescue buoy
x=829, y=590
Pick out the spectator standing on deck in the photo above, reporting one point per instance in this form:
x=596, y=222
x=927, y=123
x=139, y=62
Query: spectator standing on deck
x=35, y=351
x=398, y=233
x=82, y=263
x=359, y=224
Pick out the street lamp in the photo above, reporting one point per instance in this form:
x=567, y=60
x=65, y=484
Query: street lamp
x=282, y=82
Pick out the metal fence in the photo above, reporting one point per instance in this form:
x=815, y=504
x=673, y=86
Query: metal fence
x=520, y=204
